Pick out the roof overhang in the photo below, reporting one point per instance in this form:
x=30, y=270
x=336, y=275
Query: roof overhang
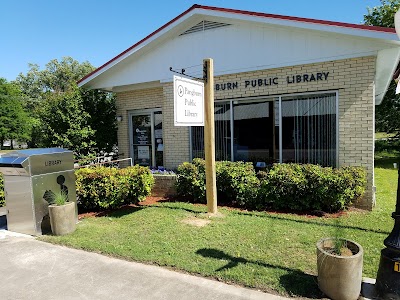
x=387, y=59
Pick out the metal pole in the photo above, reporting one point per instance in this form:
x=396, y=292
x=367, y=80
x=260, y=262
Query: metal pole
x=209, y=135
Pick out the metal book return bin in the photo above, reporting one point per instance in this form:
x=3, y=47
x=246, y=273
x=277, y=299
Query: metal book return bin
x=30, y=177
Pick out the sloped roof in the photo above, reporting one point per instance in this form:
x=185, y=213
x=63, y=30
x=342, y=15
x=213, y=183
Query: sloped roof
x=386, y=35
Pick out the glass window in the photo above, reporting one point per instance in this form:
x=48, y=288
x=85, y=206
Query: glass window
x=254, y=131
x=303, y=127
x=222, y=116
x=309, y=129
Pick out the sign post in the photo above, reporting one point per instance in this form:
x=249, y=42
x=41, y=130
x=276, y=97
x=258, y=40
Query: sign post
x=194, y=106
x=209, y=136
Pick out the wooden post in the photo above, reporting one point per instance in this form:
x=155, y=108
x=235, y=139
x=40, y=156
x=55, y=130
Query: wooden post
x=209, y=135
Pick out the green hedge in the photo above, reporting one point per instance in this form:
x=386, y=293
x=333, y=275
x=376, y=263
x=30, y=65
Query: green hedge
x=311, y=187
x=284, y=186
x=2, y=198
x=107, y=188
x=236, y=181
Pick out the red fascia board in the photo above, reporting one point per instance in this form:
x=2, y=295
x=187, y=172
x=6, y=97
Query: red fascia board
x=298, y=19
x=249, y=13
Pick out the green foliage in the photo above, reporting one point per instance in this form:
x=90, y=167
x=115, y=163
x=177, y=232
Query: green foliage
x=283, y=187
x=236, y=181
x=60, y=198
x=191, y=180
x=58, y=81
x=382, y=15
x=311, y=187
x=58, y=77
x=389, y=145
x=101, y=107
x=65, y=123
x=106, y=188
x=15, y=123
x=2, y=196
x=387, y=115
x=292, y=187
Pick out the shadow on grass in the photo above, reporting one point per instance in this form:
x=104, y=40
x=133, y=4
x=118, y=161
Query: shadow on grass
x=178, y=208
x=295, y=282
x=316, y=223
x=385, y=159
x=116, y=213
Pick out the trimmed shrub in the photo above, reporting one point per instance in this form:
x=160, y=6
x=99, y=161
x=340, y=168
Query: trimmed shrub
x=311, y=187
x=292, y=187
x=107, y=188
x=283, y=187
x=236, y=182
x=2, y=197
x=191, y=180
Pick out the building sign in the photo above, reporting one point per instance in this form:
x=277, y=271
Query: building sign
x=273, y=81
x=142, y=136
x=188, y=102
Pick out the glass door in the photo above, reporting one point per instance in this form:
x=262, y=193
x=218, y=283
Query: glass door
x=147, y=138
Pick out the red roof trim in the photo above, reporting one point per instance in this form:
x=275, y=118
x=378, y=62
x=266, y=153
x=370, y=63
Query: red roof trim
x=299, y=19
x=250, y=13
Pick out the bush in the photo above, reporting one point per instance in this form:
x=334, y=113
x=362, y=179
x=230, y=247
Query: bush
x=107, y=188
x=283, y=187
x=191, y=180
x=236, y=182
x=291, y=187
x=2, y=198
x=311, y=187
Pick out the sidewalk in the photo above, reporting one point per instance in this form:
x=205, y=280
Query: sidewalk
x=36, y=270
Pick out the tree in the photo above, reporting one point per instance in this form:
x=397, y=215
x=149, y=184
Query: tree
x=387, y=115
x=66, y=124
x=382, y=15
x=15, y=123
x=57, y=79
x=101, y=106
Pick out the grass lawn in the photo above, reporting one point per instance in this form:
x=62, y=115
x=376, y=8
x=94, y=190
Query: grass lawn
x=268, y=251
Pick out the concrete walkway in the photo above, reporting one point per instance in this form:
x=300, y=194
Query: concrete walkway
x=32, y=270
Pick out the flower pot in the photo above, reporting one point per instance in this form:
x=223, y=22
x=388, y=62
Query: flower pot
x=62, y=218
x=339, y=277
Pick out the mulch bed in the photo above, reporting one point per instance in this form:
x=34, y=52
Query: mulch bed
x=154, y=200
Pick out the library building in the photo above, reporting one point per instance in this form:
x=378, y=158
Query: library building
x=287, y=89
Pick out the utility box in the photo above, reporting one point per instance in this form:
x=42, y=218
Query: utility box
x=30, y=177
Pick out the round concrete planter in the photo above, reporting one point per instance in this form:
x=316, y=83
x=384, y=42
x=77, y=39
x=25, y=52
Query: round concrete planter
x=339, y=277
x=62, y=218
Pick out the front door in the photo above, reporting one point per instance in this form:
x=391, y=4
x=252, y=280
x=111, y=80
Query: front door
x=147, y=138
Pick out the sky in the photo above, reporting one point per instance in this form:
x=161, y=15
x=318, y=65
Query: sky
x=37, y=31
